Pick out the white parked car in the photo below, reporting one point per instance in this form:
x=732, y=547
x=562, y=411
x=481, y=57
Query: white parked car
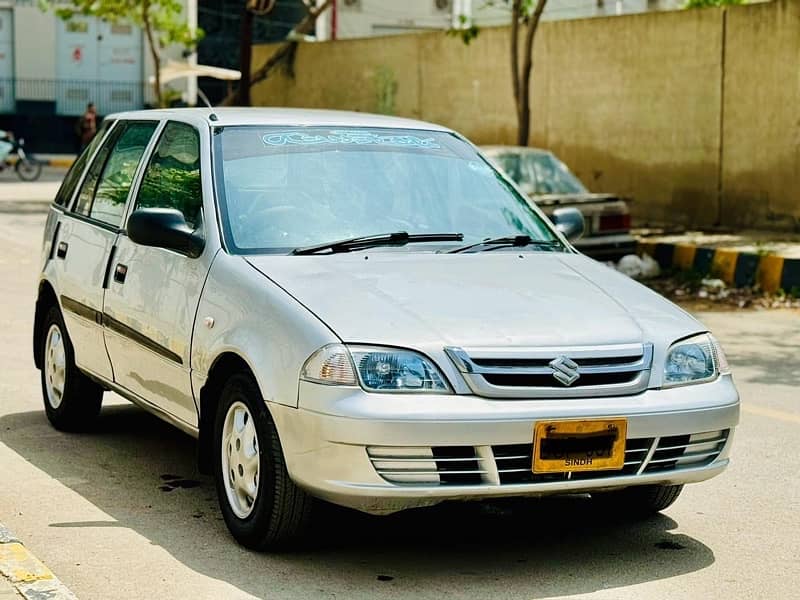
x=361, y=309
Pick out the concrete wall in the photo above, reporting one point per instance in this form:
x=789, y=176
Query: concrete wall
x=761, y=133
x=694, y=114
x=633, y=105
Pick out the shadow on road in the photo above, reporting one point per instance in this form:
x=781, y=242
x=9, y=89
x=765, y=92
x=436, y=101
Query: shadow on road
x=141, y=472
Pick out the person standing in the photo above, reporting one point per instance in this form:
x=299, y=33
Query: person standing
x=87, y=126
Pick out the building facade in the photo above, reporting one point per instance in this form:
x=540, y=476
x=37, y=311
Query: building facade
x=367, y=18
x=50, y=69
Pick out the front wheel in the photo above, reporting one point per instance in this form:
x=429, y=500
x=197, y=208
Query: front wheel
x=27, y=169
x=261, y=505
x=71, y=400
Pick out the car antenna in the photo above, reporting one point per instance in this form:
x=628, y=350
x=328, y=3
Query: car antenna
x=204, y=98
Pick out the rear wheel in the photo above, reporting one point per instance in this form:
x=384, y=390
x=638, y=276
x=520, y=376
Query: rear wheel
x=261, y=505
x=28, y=170
x=71, y=400
x=641, y=500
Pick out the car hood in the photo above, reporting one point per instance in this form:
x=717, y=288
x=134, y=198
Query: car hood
x=423, y=300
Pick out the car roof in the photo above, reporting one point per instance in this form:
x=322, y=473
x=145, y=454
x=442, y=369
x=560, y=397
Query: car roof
x=514, y=150
x=278, y=116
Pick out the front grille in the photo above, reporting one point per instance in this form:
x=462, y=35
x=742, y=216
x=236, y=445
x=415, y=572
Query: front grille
x=543, y=381
x=514, y=463
x=510, y=464
x=543, y=362
x=683, y=451
x=437, y=465
x=555, y=372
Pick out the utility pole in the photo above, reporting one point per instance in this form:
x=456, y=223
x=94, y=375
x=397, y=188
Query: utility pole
x=191, y=81
x=245, y=56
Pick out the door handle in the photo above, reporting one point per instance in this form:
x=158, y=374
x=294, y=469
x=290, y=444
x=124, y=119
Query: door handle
x=61, y=251
x=120, y=272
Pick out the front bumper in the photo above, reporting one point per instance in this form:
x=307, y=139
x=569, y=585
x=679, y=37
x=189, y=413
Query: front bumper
x=331, y=442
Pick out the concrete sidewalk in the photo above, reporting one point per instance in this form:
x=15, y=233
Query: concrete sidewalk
x=768, y=259
x=7, y=591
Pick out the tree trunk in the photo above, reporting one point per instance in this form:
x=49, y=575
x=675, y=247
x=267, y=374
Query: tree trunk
x=285, y=51
x=522, y=81
x=148, y=30
x=515, y=17
x=245, y=58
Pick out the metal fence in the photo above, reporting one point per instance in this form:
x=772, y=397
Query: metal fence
x=69, y=97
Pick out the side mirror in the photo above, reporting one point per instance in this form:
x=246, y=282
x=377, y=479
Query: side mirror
x=569, y=221
x=164, y=228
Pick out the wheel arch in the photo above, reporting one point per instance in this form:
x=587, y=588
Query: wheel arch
x=223, y=366
x=45, y=299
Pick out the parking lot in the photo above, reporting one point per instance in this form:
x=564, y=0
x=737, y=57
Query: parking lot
x=122, y=512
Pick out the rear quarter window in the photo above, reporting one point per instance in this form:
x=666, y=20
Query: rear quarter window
x=72, y=177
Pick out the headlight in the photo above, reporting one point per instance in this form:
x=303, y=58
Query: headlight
x=694, y=360
x=376, y=369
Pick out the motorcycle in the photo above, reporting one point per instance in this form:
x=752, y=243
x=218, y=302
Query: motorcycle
x=26, y=166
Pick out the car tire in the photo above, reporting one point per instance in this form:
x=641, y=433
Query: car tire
x=71, y=400
x=640, y=501
x=261, y=505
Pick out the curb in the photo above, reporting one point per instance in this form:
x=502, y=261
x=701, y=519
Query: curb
x=740, y=269
x=65, y=163
x=26, y=573
x=61, y=162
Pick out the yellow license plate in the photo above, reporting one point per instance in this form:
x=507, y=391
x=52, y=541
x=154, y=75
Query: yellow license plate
x=564, y=446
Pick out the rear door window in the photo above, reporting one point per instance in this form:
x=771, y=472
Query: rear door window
x=105, y=188
x=115, y=182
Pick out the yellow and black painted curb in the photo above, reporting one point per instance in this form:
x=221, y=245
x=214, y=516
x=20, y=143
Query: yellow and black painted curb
x=739, y=269
x=64, y=162
x=29, y=576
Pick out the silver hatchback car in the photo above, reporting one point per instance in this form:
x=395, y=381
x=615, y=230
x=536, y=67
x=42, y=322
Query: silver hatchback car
x=361, y=309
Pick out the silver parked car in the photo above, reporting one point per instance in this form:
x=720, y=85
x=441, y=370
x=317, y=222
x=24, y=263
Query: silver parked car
x=552, y=186
x=361, y=309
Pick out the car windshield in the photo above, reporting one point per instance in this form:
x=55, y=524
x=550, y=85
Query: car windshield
x=539, y=173
x=282, y=188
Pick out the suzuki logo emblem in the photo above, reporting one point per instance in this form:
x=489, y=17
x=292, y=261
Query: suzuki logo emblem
x=565, y=370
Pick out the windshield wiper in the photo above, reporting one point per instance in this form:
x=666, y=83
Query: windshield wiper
x=399, y=238
x=514, y=241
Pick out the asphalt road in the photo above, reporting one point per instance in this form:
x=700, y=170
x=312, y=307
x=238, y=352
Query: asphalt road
x=122, y=512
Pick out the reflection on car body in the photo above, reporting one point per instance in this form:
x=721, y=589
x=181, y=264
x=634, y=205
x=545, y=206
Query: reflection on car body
x=376, y=318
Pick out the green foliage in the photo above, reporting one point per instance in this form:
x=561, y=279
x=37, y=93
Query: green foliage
x=165, y=17
x=708, y=3
x=385, y=90
x=466, y=31
x=172, y=186
x=763, y=249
